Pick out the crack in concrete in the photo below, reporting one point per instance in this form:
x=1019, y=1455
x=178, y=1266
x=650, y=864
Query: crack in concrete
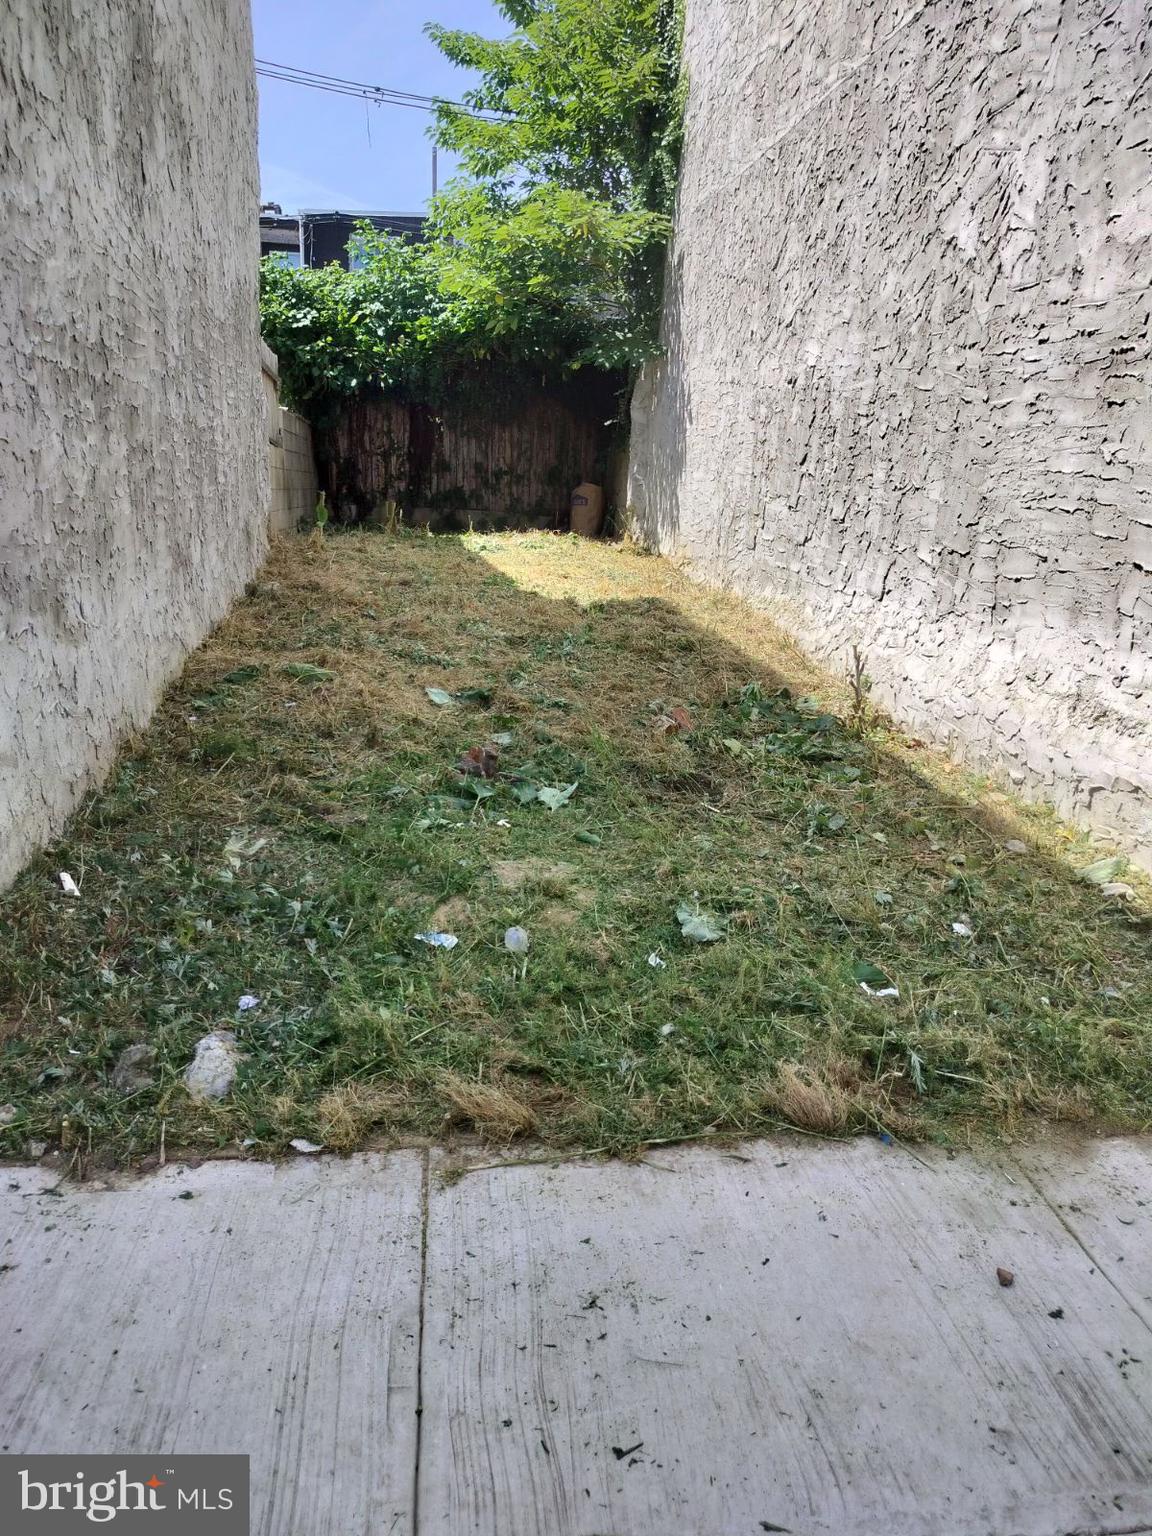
x=1132, y=1305
x=425, y=1179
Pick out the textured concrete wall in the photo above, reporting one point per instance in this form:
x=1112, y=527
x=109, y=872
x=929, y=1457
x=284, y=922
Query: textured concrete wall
x=133, y=455
x=906, y=388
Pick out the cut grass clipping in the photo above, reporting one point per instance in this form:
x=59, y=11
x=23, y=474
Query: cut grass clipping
x=739, y=911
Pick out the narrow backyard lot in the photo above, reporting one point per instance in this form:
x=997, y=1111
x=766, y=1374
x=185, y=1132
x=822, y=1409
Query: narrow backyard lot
x=748, y=902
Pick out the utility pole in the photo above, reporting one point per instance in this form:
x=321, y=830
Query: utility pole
x=433, y=170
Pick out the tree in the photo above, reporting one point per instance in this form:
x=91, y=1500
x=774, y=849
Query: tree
x=547, y=254
x=336, y=332
x=587, y=97
x=549, y=277
x=578, y=145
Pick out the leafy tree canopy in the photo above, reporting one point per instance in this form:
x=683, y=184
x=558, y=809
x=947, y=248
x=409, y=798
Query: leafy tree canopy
x=547, y=253
x=586, y=97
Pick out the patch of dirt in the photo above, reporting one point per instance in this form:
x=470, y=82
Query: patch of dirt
x=451, y=915
x=558, y=917
x=514, y=874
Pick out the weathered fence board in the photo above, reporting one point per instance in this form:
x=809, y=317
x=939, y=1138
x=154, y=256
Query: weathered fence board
x=499, y=450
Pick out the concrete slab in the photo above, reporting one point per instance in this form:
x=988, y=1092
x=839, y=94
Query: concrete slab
x=809, y=1339
x=1102, y=1193
x=785, y=1336
x=275, y=1312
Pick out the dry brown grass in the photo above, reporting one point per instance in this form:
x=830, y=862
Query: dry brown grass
x=805, y=1097
x=492, y=1108
x=347, y=1113
x=831, y=1095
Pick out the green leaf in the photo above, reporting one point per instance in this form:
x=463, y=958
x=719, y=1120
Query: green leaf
x=241, y=675
x=870, y=975
x=525, y=792
x=305, y=672
x=1103, y=870
x=699, y=926
x=588, y=837
x=479, y=789
x=554, y=796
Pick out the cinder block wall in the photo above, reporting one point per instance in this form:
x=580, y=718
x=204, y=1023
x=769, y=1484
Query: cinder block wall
x=293, y=482
x=295, y=487
x=906, y=396
x=133, y=453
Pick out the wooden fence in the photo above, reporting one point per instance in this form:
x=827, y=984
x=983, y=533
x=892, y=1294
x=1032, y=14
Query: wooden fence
x=498, y=450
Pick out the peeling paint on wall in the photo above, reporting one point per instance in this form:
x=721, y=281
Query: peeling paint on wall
x=905, y=395
x=133, y=442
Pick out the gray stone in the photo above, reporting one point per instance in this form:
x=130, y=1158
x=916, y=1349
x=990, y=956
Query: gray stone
x=130, y=1074
x=275, y=1315
x=212, y=1070
x=808, y=1337
x=779, y=1334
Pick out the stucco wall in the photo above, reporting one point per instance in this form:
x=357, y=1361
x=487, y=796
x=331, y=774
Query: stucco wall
x=906, y=388
x=133, y=445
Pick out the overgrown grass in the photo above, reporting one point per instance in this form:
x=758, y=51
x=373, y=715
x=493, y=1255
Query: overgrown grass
x=285, y=832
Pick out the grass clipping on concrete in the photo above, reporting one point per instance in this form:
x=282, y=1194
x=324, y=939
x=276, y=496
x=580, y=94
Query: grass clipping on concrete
x=744, y=914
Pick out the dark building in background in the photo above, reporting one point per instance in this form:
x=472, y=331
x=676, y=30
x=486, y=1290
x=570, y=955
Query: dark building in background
x=315, y=237
x=279, y=234
x=324, y=235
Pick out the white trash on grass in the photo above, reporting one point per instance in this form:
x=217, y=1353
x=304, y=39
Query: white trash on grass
x=439, y=940
x=67, y=884
x=699, y=925
x=517, y=943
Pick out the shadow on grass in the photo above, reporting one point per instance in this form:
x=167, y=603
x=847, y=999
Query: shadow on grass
x=295, y=816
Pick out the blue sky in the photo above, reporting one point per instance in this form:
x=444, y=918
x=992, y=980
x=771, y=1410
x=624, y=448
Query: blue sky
x=324, y=151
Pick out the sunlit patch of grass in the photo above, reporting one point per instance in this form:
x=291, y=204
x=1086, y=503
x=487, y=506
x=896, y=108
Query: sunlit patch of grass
x=294, y=817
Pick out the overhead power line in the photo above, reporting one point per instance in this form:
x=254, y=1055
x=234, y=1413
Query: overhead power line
x=384, y=94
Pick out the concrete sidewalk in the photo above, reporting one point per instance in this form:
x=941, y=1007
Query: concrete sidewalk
x=800, y=1337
